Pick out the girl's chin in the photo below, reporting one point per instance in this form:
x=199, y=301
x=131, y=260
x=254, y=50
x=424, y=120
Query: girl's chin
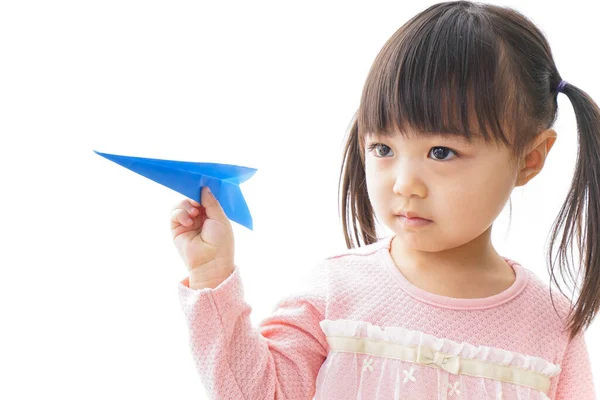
x=418, y=240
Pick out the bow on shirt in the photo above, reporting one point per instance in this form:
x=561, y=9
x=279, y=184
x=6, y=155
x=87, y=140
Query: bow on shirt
x=427, y=356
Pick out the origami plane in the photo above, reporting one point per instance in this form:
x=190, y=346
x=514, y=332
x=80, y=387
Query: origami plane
x=188, y=178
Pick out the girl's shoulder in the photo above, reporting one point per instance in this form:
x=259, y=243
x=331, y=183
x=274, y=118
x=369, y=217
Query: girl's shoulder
x=546, y=301
x=544, y=292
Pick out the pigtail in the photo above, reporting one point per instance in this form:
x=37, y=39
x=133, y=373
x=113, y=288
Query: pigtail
x=356, y=207
x=579, y=216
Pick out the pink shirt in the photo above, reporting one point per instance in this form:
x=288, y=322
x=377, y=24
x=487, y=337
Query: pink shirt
x=361, y=330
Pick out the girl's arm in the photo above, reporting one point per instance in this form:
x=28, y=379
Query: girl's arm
x=279, y=360
x=575, y=380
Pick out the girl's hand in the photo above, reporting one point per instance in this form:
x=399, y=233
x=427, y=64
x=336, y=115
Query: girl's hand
x=203, y=236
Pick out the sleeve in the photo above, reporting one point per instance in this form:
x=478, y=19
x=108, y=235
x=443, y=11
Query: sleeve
x=278, y=360
x=575, y=380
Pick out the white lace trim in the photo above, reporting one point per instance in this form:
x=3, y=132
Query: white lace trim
x=428, y=350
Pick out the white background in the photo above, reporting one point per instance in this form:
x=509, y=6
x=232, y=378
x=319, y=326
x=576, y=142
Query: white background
x=89, y=274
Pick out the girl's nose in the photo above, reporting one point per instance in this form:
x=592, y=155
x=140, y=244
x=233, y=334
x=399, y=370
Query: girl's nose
x=408, y=183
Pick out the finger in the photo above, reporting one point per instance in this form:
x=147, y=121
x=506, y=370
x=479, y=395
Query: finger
x=195, y=211
x=181, y=217
x=212, y=206
x=193, y=202
x=192, y=207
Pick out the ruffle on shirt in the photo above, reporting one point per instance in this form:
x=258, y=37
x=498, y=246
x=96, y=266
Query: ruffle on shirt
x=477, y=370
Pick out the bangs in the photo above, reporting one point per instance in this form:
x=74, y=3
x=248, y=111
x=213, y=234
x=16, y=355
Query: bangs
x=443, y=73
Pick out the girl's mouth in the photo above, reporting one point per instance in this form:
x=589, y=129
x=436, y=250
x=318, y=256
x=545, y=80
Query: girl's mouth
x=414, y=222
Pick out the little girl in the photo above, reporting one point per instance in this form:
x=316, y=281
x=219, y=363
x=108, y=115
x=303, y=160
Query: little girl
x=456, y=111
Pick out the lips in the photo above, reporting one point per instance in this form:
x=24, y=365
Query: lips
x=411, y=215
x=414, y=222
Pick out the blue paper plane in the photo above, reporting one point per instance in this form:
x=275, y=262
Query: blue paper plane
x=188, y=178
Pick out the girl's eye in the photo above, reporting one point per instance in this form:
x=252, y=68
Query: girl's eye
x=440, y=153
x=376, y=146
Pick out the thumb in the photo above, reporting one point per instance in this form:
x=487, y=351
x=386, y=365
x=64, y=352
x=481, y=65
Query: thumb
x=212, y=206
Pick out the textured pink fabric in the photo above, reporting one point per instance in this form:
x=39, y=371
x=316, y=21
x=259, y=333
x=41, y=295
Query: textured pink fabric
x=361, y=294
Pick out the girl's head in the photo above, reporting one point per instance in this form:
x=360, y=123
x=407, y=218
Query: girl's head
x=456, y=111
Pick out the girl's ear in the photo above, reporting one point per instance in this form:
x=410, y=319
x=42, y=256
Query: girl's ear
x=536, y=156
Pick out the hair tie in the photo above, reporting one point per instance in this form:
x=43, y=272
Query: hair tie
x=560, y=86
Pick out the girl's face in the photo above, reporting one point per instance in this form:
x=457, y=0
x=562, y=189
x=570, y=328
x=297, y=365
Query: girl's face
x=460, y=187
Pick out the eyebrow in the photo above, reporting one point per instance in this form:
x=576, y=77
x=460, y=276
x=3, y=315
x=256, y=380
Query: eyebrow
x=449, y=136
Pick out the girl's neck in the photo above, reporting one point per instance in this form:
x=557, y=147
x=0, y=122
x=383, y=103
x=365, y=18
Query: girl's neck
x=473, y=270
x=476, y=256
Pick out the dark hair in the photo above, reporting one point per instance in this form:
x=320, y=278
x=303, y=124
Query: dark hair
x=475, y=70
